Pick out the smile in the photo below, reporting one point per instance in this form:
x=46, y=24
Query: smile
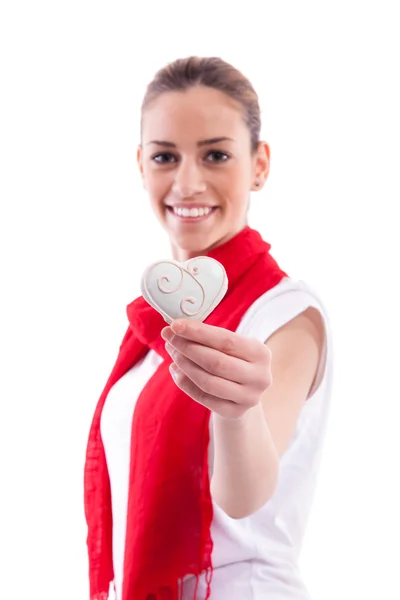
x=195, y=213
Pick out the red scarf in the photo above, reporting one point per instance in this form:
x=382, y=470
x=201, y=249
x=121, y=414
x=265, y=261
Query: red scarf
x=169, y=506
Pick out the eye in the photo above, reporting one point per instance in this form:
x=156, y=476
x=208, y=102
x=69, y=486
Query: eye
x=217, y=156
x=163, y=158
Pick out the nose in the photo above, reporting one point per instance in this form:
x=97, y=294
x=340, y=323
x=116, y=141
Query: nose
x=189, y=180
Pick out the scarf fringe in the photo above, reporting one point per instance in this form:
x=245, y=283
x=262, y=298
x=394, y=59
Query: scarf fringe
x=106, y=595
x=164, y=594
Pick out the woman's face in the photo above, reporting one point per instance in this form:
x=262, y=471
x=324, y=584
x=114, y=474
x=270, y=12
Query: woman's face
x=198, y=168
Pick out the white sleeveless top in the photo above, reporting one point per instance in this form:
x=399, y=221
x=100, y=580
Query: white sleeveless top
x=256, y=557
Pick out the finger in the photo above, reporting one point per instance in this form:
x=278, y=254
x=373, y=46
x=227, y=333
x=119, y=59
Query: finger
x=213, y=361
x=225, y=408
x=214, y=385
x=218, y=338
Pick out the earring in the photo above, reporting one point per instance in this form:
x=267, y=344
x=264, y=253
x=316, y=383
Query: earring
x=257, y=184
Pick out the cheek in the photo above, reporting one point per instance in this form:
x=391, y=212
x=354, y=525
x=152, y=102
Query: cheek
x=224, y=181
x=238, y=173
x=157, y=188
x=236, y=185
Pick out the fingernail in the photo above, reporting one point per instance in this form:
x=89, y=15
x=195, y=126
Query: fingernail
x=177, y=326
x=173, y=370
x=167, y=334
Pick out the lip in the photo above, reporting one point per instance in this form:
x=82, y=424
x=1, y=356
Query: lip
x=183, y=205
x=191, y=219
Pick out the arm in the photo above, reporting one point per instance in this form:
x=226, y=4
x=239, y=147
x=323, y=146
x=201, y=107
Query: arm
x=256, y=393
x=247, y=450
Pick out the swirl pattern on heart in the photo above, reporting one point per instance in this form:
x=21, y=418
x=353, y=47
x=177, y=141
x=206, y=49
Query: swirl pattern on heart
x=190, y=289
x=164, y=280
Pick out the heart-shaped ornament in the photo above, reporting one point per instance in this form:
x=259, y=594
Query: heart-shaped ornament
x=190, y=290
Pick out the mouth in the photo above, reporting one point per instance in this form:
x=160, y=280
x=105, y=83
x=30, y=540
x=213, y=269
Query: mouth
x=193, y=214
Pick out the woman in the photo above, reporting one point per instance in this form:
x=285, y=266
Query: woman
x=205, y=443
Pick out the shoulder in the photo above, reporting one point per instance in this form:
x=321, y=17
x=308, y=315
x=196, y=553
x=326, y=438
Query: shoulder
x=305, y=328
x=297, y=350
x=290, y=302
x=301, y=330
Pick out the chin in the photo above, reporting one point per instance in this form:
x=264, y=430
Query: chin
x=194, y=245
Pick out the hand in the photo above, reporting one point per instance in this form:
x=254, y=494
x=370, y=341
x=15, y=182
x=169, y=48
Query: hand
x=222, y=370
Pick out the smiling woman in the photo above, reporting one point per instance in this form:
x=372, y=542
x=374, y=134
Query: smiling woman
x=205, y=445
x=197, y=152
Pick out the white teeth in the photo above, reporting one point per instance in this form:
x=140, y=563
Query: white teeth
x=192, y=212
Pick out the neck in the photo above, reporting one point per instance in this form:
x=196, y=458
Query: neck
x=182, y=254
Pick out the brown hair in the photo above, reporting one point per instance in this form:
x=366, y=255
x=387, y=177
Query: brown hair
x=215, y=73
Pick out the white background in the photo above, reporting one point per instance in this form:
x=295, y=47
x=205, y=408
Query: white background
x=76, y=233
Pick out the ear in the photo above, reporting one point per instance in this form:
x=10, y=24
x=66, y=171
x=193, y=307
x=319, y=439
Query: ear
x=261, y=167
x=139, y=158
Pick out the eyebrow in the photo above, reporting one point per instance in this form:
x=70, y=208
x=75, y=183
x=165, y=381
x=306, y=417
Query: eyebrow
x=201, y=143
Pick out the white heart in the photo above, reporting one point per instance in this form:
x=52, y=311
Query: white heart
x=188, y=290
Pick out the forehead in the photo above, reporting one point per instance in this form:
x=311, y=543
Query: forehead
x=194, y=113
